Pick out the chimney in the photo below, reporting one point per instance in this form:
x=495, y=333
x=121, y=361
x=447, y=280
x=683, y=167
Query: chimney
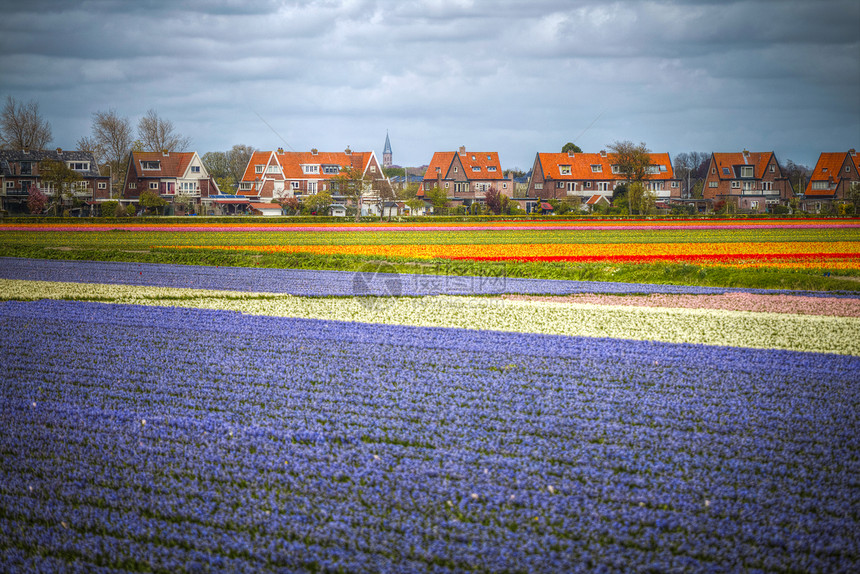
x=26, y=150
x=59, y=151
x=570, y=153
x=852, y=151
x=315, y=151
x=603, y=153
x=165, y=153
x=347, y=151
x=280, y=151
x=462, y=150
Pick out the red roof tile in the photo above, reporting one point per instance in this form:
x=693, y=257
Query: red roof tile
x=728, y=161
x=829, y=168
x=590, y=166
x=173, y=164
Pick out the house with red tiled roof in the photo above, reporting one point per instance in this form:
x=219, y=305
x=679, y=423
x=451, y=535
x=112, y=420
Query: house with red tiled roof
x=172, y=175
x=279, y=174
x=583, y=175
x=749, y=181
x=833, y=176
x=466, y=176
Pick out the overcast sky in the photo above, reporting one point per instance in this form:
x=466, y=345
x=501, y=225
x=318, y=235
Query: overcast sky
x=517, y=77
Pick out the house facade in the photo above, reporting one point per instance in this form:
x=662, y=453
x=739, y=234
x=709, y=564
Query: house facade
x=21, y=169
x=583, y=175
x=833, y=176
x=466, y=177
x=274, y=175
x=178, y=177
x=750, y=181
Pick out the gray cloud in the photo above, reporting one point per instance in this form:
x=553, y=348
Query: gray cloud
x=514, y=76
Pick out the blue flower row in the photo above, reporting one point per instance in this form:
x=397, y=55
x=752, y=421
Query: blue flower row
x=374, y=281
x=170, y=438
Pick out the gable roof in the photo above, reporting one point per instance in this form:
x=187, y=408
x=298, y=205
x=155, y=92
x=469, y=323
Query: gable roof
x=476, y=165
x=170, y=164
x=830, y=168
x=579, y=166
x=8, y=156
x=594, y=199
x=290, y=163
x=728, y=164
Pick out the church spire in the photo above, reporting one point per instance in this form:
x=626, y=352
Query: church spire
x=387, y=156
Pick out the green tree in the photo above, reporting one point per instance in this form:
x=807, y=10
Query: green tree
x=415, y=204
x=853, y=195
x=571, y=147
x=632, y=160
x=108, y=208
x=438, y=197
x=59, y=177
x=318, y=203
x=151, y=201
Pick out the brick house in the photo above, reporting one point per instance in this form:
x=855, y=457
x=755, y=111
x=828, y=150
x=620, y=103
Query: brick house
x=466, y=177
x=751, y=181
x=173, y=175
x=583, y=175
x=21, y=169
x=273, y=175
x=833, y=176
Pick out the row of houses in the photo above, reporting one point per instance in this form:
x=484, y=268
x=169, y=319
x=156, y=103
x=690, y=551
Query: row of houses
x=752, y=182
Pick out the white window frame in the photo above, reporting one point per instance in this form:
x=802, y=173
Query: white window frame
x=259, y=168
x=713, y=184
x=79, y=165
x=153, y=185
x=736, y=184
x=273, y=169
x=747, y=171
x=147, y=164
x=132, y=185
x=195, y=169
x=295, y=185
x=602, y=186
x=102, y=185
x=596, y=168
x=312, y=187
x=245, y=186
x=564, y=170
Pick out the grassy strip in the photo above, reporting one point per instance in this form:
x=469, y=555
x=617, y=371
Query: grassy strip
x=662, y=273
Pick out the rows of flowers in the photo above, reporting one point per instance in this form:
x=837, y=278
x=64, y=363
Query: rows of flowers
x=140, y=438
x=827, y=334
x=558, y=224
x=441, y=278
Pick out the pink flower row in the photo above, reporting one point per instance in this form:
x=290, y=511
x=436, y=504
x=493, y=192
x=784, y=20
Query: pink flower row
x=792, y=304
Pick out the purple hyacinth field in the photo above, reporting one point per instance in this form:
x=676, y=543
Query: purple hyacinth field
x=163, y=438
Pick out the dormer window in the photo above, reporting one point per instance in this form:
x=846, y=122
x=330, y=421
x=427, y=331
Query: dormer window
x=746, y=171
x=150, y=164
x=79, y=165
x=491, y=168
x=476, y=168
x=726, y=171
x=616, y=170
x=597, y=168
x=564, y=169
x=310, y=168
x=259, y=168
x=772, y=168
x=331, y=169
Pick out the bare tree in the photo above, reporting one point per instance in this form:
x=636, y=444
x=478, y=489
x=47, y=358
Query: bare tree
x=157, y=134
x=237, y=160
x=111, y=142
x=22, y=126
x=687, y=167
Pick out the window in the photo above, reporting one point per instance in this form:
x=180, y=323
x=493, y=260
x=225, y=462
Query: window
x=310, y=168
x=489, y=158
x=102, y=185
x=616, y=169
x=259, y=168
x=767, y=186
x=245, y=186
x=753, y=205
x=153, y=185
x=331, y=169
x=712, y=184
x=820, y=185
x=674, y=184
x=195, y=169
x=150, y=164
x=455, y=169
x=652, y=169
x=373, y=169
x=772, y=168
x=559, y=184
x=725, y=171
x=26, y=168
x=538, y=186
x=476, y=168
x=295, y=185
x=746, y=171
x=273, y=169
x=132, y=186
x=602, y=186
x=847, y=169
x=79, y=165
x=564, y=169
x=312, y=187
x=749, y=186
x=491, y=168
x=596, y=168
x=504, y=186
x=446, y=185
x=10, y=184
x=736, y=184
x=588, y=184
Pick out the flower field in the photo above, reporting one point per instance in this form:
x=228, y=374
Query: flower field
x=161, y=418
x=217, y=440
